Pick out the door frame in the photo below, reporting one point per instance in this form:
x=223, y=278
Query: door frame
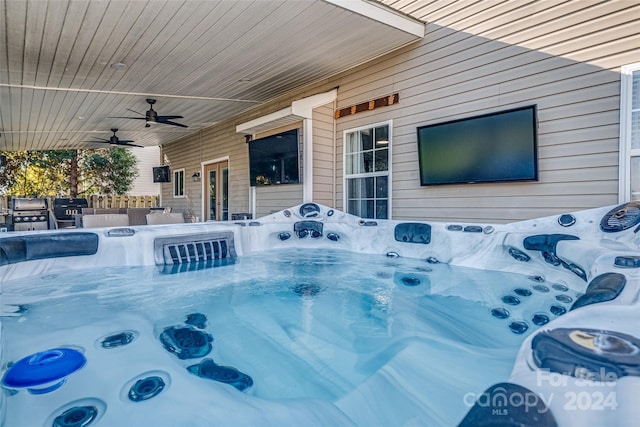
x=204, y=188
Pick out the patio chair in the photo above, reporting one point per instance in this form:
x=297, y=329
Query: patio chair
x=105, y=220
x=137, y=216
x=165, y=218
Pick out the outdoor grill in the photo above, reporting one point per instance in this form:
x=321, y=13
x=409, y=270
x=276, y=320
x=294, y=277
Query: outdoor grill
x=66, y=209
x=29, y=214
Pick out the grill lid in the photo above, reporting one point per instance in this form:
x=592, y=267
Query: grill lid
x=78, y=202
x=30, y=204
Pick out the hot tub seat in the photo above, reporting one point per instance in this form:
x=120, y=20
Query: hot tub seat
x=605, y=287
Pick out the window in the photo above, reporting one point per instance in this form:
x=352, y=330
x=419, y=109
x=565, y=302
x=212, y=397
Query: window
x=630, y=133
x=178, y=183
x=367, y=177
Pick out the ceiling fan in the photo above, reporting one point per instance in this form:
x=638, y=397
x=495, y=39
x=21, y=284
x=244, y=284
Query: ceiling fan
x=152, y=116
x=114, y=140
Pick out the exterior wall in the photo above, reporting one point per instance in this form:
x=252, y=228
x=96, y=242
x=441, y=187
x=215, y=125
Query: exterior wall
x=203, y=147
x=564, y=58
x=323, y=155
x=273, y=198
x=143, y=185
x=476, y=58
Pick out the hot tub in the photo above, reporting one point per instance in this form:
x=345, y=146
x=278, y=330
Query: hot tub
x=311, y=316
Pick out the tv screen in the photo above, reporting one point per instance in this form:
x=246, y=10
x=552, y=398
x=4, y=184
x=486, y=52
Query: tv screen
x=161, y=174
x=496, y=147
x=274, y=159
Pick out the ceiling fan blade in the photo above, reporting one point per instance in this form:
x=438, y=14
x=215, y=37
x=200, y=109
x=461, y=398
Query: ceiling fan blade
x=103, y=140
x=165, y=118
x=169, y=122
x=134, y=111
x=120, y=143
x=134, y=118
x=125, y=141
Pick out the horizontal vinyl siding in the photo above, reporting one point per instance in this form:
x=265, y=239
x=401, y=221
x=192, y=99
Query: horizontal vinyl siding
x=274, y=198
x=455, y=74
x=222, y=141
x=147, y=158
x=204, y=147
x=477, y=57
x=323, y=155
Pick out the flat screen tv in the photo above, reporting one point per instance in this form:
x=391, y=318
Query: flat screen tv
x=161, y=174
x=495, y=147
x=274, y=160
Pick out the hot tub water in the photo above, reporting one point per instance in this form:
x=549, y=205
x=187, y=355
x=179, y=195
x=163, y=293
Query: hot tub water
x=351, y=338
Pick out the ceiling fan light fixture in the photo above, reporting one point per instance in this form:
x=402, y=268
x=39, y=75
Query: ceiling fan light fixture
x=151, y=117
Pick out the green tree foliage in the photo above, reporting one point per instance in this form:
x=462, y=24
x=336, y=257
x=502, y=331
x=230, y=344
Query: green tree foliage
x=48, y=173
x=109, y=171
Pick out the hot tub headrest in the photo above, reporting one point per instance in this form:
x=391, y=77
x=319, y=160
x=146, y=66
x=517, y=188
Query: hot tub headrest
x=41, y=246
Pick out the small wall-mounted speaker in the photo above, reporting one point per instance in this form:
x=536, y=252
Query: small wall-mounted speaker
x=161, y=174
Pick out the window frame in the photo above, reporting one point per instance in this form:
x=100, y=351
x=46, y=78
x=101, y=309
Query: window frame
x=626, y=151
x=179, y=183
x=387, y=173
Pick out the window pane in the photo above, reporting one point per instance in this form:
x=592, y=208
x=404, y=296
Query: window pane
x=355, y=163
x=382, y=136
x=360, y=188
x=225, y=194
x=635, y=90
x=382, y=189
x=635, y=129
x=366, y=209
x=348, y=164
x=352, y=189
x=367, y=139
x=635, y=178
x=352, y=142
x=368, y=185
x=382, y=157
x=178, y=183
x=381, y=209
x=354, y=207
x=356, y=190
x=367, y=160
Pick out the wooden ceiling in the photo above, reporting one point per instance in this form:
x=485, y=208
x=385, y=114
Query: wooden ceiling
x=207, y=61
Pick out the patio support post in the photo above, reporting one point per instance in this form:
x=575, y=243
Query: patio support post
x=307, y=154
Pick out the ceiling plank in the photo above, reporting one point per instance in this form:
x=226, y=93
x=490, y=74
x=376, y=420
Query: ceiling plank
x=207, y=60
